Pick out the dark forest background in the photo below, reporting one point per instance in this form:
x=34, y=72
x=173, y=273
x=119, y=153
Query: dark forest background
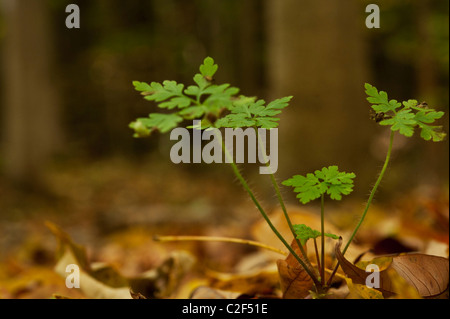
x=67, y=99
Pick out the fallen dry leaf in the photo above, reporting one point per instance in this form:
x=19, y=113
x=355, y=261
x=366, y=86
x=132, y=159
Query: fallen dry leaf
x=294, y=280
x=211, y=293
x=254, y=282
x=137, y=295
x=35, y=283
x=91, y=288
x=403, y=290
x=101, y=281
x=358, y=291
x=64, y=241
x=429, y=275
x=164, y=280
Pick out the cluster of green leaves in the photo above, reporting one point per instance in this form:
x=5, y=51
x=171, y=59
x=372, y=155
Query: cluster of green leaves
x=215, y=105
x=196, y=101
x=247, y=112
x=328, y=180
x=405, y=117
x=304, y=233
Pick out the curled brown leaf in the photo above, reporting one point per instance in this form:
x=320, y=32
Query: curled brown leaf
x=429, y=275
x=294, y=280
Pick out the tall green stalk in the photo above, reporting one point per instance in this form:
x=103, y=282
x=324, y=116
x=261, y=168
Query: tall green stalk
x=369, y=201
x=322, y=226
x=372, y=193
x=264, y=214
x=281, y=201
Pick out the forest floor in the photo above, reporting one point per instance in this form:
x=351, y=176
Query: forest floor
x=113, y=210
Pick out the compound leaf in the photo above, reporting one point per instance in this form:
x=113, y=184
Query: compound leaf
x=267, y=122
x=220, y=96
x=380, y=101
x=275, y=107
x=308, y=187
x=247, y=112
x=427, y=116
x=235, y=121
x=433, y=133
x=304, y=233
x=163, y=92
x=179, y=102
x=403, y=122
x=409, y=117
x=204, y=101
x=326, y=181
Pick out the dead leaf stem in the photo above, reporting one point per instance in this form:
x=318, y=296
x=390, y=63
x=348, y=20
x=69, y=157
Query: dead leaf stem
x=218, y=239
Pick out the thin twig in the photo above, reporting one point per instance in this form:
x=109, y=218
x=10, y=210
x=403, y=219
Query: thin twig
x=218, y=239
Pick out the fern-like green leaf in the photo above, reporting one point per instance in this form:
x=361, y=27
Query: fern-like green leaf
x=304, y=233
x=215, y=105
x=380, y=101
x=161, y=122
x=405, y=117
x=248, y=112
x=326, y=181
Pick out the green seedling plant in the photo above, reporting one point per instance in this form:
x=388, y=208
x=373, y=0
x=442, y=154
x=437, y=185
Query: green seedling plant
x=402, y=117
x=328, y=181
x=216, y=106
x=221, y=106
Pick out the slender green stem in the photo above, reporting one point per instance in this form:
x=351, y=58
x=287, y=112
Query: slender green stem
x=322, y=229
x=264, y=215
x=372, y=193
x=317, y=254
x=280, y=199
x=369, y=201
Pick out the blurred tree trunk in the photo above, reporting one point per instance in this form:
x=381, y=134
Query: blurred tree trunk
x=250, y=62
x=316, y=54
x=427, y=78
x=30, y=116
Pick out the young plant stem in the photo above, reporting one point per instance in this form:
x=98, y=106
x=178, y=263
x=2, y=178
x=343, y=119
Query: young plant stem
x=263, y=213
x=369, y=201
x=280, y=198
x=372, y=193
x=218, y=239
x=317, y=254
x=322, y=226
